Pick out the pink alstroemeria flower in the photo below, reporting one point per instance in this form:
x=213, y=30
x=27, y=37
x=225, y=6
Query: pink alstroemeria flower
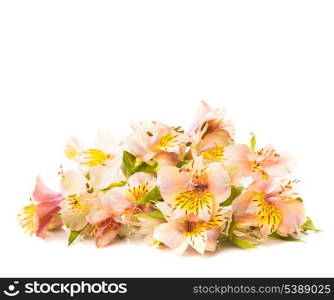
x=151, y=140
x=211, y=133
x=261, y=164
x=118, y=206
x=36, y=218
x=276, y=207
x=106, y=226
x=196, y=189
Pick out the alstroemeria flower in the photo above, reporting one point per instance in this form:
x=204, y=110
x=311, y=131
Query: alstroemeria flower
x=81, y=198
x=106, y=226
x=211, y=133
x=137, y=186
x=179, y=234
x=261, y=164
x=150, y=140
x=118, y=205
x=101, y=161
x=195, y=190
x=36, y=218
x=276, y=206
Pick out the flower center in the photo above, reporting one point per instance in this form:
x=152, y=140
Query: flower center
x=256, y=167
x=200, y=188
x=77, y=203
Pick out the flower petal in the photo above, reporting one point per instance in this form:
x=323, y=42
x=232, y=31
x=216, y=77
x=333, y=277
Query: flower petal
x=98, y=216
x=239, y=156
x=172, y=182
x=140, y=178
x=106, y=236
x=73, y=182
x=43, y=193
x=115, y=200
x=198, y=241
x=212, y=239
x=218, y=182
x=293, y=215
x=169, y=235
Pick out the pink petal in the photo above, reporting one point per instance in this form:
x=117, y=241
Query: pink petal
x=220, y=138
x=166, y=159
x=43, y=193
x=142, y=177
x=115, y=200
x=241, y=204
x=212, y=239
x=200, y=117
x=293, y=215
x=218, y=182
x=169, y=235
x=172, y=182
x=105, y=237
x=44, y=221
x=281, y=167
x=98, y=216
x=239, y=156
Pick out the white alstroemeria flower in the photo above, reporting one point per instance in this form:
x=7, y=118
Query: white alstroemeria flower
x=101, y=161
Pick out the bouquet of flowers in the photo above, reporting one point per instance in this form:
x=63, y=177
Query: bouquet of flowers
x=174, y=188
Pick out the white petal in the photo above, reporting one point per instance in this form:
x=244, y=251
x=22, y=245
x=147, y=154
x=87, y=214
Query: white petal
x=198, y=242
x=73, y=182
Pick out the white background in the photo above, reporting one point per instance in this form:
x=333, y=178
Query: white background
x=71, y=67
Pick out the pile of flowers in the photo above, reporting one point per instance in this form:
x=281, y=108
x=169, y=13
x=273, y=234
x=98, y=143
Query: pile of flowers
x=174, y=188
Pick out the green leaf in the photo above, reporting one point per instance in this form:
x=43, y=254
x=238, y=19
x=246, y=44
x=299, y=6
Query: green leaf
x=253, y=142
x=146, y=167
x=157, y=214
x=131, y=165
x=235, y=192
x=154, y=214
x=73, y=236
x=284, y=238
x=128, y=163
x=114, y=184
x=299, y=199
x=153, y=194
x=308, y=225
x=241, y=243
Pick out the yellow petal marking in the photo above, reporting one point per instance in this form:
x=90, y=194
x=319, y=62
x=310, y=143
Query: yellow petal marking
x=94, y=157
x=27, y=218
x=167, y=140
x=138, y=192
x=267, y=213
x=216, y=153
x=193, y=201
x=196, y=232
x=71, y=152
